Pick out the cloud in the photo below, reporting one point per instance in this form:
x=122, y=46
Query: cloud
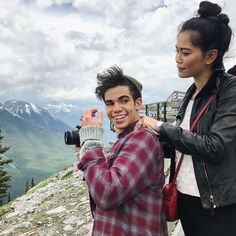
x=51, y=50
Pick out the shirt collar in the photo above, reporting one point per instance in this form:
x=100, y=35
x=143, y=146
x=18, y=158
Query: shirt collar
x=128, y=130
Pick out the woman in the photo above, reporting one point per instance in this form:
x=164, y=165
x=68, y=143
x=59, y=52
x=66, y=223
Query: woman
x=207, y=179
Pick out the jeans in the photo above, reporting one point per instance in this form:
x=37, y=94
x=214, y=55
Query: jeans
x=197, y=221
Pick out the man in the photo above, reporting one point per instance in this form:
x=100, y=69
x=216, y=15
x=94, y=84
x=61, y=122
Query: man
x=126, y=186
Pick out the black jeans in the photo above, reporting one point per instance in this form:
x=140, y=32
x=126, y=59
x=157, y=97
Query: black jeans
x=197, y=221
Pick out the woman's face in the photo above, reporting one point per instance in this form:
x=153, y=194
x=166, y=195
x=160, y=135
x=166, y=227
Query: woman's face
x=190, y=60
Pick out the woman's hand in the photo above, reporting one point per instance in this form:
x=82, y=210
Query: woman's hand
x=148, y=122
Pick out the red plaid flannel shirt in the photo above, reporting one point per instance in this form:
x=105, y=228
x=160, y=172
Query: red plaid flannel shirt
x=127, y=186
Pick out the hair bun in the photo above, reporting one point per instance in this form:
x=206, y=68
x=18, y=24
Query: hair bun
x=207, y=9
x=224, y=18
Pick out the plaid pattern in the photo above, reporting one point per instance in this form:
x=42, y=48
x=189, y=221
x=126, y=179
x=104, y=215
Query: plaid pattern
x=127, y=186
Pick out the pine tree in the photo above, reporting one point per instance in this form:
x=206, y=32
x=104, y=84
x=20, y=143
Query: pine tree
x=26, y=186
x=4, y=176
x=32, y=182
x=8, y=197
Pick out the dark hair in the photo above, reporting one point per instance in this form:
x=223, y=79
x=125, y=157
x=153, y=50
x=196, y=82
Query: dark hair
x=113, y=77
x=232, y=70
x=210, y=30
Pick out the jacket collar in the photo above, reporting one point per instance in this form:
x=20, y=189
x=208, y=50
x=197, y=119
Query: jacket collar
x=212, y=87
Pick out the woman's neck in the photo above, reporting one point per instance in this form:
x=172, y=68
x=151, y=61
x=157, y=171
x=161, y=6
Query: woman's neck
x=201, y=81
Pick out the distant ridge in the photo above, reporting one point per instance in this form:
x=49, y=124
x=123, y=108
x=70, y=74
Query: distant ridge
x=37, y=143
x=36, y=115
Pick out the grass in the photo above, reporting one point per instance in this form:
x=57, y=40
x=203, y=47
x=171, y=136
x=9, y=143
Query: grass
x=5, y=208
x=67, y=175
x=40, y=185
x=50, y=156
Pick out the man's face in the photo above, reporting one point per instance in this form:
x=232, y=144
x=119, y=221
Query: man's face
x=121, y=109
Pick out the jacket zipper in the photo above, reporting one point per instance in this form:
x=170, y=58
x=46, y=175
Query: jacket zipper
x=211, y=197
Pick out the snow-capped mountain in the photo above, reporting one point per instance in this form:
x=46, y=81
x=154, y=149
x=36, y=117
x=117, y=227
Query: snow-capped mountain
x=61, y=106
x=36, y=115
x=68, y=113
x=71, y=115
x=36, y=142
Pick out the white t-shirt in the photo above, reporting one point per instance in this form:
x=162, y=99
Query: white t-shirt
x=186, y=180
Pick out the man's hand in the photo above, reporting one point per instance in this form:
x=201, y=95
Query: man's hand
x=88, y=118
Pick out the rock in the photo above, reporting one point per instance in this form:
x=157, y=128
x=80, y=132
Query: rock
x=59, y=208
x=12, y=214
x=71, y=221
x=25, y=225
x=56, y=210
x=68, y=228
x=79, y=222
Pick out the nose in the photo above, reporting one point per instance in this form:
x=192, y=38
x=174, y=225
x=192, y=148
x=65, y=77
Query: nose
x=117, y=107
x=178, y=58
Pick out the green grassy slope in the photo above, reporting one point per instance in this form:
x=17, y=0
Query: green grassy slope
x=35, y=151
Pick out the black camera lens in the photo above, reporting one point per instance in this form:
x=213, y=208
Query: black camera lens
x=72, y=138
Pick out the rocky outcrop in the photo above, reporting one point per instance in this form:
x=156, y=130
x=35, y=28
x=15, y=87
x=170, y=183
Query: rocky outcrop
x=58, y=206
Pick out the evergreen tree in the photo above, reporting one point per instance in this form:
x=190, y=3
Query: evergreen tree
x=26, y=186
x=8, y=197
x=4, y=176
x=32, y=182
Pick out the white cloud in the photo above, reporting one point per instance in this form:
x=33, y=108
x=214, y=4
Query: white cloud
x=53, y=49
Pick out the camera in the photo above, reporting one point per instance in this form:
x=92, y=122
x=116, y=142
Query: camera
x=72, y=137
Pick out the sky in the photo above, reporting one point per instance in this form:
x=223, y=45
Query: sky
x=52, y=50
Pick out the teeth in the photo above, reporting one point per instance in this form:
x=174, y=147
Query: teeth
x=119, y=117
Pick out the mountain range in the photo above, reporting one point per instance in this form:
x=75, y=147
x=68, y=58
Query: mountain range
x=71, y=115
x=36, y=140
x=68, y=113
x=35, y=114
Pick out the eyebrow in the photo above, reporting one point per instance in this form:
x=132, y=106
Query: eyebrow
x=181, y=49
x=119, y=98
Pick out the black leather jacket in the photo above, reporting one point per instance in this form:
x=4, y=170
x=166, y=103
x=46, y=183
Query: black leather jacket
x=212, y=145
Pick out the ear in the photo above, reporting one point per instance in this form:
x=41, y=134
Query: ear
x=211, y=56
x=138, y=104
